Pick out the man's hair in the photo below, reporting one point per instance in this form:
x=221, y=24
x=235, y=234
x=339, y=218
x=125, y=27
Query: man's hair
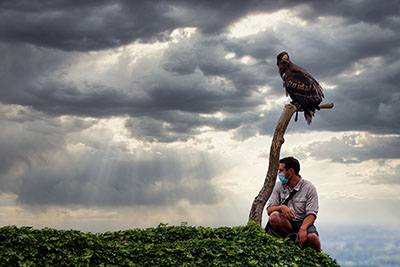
x=291, y=163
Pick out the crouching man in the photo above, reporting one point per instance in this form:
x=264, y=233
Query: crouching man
x=293, y=205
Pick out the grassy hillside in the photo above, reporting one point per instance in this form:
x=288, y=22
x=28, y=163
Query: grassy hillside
x=160, y=246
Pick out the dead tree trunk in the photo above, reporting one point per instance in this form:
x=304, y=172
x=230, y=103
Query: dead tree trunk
x=275, y=150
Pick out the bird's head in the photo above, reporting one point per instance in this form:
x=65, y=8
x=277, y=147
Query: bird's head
x=282, y=57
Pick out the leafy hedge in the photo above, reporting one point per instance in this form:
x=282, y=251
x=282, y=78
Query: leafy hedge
x=160, y=246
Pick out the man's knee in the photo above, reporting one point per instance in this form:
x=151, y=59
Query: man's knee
x=313, y=238
x=314, y=242
x=275, y=218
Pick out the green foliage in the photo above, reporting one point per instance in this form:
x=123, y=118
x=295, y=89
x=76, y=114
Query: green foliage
x=160, y=246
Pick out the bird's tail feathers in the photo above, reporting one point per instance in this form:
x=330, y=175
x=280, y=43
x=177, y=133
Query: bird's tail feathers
x=308, y=114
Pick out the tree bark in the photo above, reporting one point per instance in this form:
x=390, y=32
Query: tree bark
x=275, y=150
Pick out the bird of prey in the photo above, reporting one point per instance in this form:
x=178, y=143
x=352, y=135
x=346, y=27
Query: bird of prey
x=302, y=88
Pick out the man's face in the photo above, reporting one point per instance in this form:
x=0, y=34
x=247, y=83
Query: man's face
x=282, y=170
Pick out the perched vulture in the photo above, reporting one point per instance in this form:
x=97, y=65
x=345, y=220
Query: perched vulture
x=302, y=88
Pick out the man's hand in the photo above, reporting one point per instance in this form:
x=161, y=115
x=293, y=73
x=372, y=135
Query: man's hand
x=287, y=213
x=302, y=235
x=308, y=221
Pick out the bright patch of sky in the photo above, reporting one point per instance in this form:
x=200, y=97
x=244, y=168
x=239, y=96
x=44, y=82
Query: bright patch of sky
x=256, y=23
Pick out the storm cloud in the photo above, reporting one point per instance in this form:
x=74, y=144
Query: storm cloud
x=353, y=148
x=207, y=71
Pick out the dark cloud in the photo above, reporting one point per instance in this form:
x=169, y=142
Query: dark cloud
x=206, y=54
x=96, y=25
x=368, y=11
x=29, y=137
x=164, y=97
x=204, y=73
x=180, y=126
x=353, y=148
x=83, y=26
x=367, y=102
x=158, y=130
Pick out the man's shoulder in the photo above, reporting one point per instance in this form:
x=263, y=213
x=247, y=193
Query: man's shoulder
x=307, y=184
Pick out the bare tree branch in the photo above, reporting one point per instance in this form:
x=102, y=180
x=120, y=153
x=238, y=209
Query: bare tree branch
x=275, y=150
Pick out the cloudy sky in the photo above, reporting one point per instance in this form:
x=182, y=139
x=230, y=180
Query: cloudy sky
x=122, y=114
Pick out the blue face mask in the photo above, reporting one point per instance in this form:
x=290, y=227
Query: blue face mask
x=282, y=178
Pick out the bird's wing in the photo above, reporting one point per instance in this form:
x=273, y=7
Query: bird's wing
x=302, y=87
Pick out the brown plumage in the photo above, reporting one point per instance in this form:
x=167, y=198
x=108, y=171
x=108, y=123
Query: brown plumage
x=302, y=88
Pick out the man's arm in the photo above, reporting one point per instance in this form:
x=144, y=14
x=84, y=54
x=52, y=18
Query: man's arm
x=285, y=210
x=271, y=209
x=308, y=221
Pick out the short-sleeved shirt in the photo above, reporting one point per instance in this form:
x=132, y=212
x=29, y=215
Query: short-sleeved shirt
x=303, y=203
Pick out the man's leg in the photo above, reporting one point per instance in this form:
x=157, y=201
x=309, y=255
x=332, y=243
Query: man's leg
x=313, y=242
x=280, y=223
x=312, y=239
x=312, y=235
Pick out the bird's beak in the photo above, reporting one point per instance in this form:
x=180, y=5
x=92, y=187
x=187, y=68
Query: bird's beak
x=285, y=58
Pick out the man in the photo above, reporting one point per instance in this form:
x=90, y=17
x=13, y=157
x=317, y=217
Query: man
x=299, y=213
